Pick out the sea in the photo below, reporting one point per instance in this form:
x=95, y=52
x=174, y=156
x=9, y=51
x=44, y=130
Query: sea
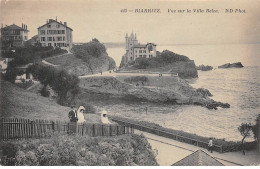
x=240, y=87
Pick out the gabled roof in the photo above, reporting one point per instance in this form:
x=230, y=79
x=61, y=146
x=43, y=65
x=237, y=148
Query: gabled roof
x=143, y=45
x=13, y=26
x=139, y=46
x=56, y=22
x=198, y=158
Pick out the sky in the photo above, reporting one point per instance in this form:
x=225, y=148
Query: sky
x=103, y=20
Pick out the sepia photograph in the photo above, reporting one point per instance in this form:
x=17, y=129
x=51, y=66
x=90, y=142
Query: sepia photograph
x=129, y=83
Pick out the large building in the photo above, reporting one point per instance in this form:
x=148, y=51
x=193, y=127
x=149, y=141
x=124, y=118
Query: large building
x=135, y=49
x=56, y=34
x=13, y=35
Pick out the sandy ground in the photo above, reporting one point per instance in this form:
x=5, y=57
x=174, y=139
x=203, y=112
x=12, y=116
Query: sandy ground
x=171, y=151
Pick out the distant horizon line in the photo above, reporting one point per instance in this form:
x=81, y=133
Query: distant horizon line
x=123, y=43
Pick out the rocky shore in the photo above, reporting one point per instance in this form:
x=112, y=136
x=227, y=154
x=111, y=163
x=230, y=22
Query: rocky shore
x=179, y=92
x=232, y=65
x=204, y=68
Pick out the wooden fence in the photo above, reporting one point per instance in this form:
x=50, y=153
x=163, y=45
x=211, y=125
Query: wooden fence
x=14, y=128
x=167, y=134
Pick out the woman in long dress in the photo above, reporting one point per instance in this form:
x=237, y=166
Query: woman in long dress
x=104, y=118
x=80, y=114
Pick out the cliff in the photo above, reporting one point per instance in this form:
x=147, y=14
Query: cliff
x=178, y=92
x=232, y=65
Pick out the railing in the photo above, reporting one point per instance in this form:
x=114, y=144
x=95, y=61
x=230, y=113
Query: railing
x=167, y=134
x=18, y=129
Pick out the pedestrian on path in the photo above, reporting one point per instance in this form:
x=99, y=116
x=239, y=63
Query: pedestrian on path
x=210, y=145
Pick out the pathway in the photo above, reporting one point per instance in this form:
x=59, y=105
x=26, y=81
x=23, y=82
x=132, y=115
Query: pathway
x=171, y=151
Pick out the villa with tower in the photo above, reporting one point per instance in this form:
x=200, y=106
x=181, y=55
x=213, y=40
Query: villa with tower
x=135, y=50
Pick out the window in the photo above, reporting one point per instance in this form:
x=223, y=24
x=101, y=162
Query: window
x=63, y=31
x=49, y=44
x=53, y=38
x=49, y=38
x=48, y=26
x=42, y=32
x=140, y=51
x=43, y=39
x=25, y=37
x=57, y=26
x=140, y=55
x=144, y=51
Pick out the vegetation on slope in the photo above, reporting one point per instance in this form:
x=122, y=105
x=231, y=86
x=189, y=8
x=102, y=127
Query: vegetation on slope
x=64, y=84
x=166, y=61
x=64, y=150
x=18, y=103
x=28, y=54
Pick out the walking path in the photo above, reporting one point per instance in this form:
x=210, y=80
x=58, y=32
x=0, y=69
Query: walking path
x=36, y=83
x=48, y=63
x=171, y=151
x=114, y=74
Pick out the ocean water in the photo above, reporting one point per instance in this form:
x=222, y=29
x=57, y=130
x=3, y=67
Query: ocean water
x=240, y=87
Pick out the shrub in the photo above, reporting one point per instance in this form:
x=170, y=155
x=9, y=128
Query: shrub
x=161, y=59
x=62, y=149
x=64, y=84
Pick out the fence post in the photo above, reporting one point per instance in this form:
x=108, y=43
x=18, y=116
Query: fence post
x=102, y=127
x=221, y=149
x=117, y=130
x=93, y=130
x=1, y=128
x=110, y=130
x=31, y=128
x=52, y=126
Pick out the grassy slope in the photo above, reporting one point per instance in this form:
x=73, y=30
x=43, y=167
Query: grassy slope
x=16, y=102
x=78, y=67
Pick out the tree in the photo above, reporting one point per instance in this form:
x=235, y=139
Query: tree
x=244, y=130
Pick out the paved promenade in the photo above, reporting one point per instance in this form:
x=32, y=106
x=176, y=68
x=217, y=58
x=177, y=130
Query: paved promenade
x=171, y=151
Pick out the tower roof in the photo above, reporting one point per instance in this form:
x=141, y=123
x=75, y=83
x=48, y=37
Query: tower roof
x=132, y=36
x=198, y=158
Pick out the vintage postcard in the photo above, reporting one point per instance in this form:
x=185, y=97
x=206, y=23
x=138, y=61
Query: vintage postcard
x=129, y=83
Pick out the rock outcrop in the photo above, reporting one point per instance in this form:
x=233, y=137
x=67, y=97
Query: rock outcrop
x=204, y=68
x=179, y=92
x=232, y=65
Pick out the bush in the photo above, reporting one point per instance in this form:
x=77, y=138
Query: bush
x=88, y=50
x=161, y=59
x=61, y=149
x=64, y=84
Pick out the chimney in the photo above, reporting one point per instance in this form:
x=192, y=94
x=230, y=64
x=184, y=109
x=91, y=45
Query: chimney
x=26, y=27
x=65, y=23
x=22, y=25
x=56, y=18
x=47, y=21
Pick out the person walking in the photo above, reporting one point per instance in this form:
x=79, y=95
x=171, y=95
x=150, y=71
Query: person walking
x=210, y=145
x=72, y=114
x=73, y=120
